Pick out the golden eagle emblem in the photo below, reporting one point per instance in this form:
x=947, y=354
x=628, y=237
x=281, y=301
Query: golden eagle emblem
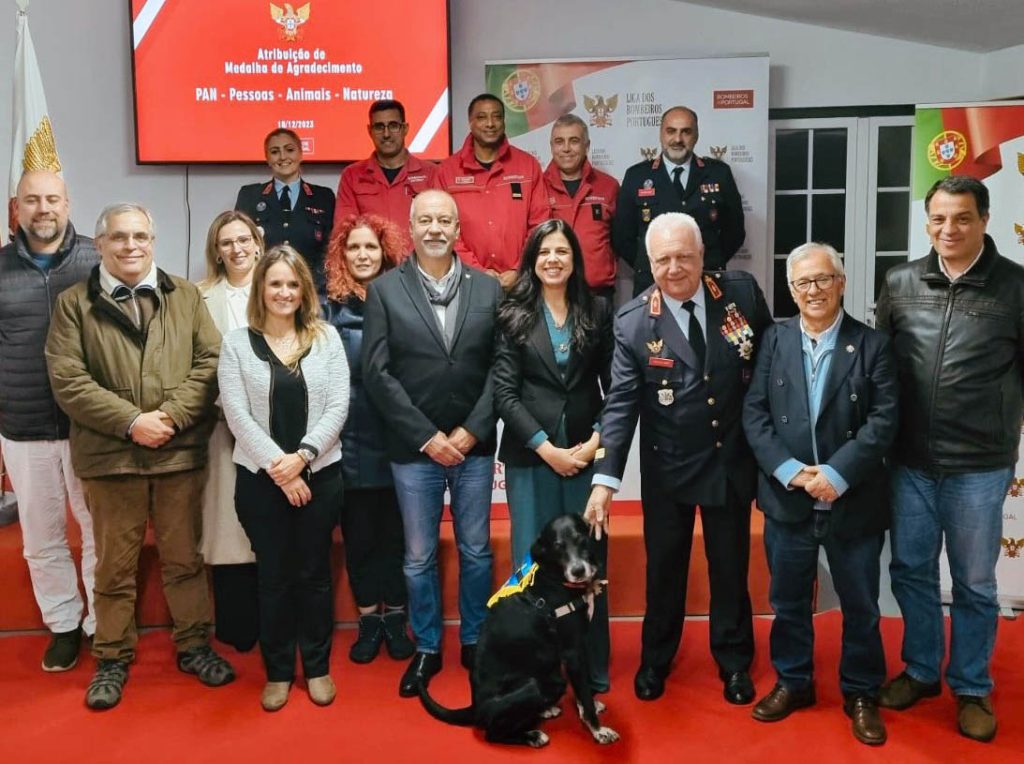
x=649, y=154
x=1012, y=546
x=1020, y=162
x=290, y=20
x=600, y=110
x=718, y=151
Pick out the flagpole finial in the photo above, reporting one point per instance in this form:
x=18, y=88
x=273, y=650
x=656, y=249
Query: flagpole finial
x=22, y=5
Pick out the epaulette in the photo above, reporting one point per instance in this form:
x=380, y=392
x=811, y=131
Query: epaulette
x=640, y=301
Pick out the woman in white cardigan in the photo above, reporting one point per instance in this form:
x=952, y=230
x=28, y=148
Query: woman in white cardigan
x=284, y=387
x=233, y=245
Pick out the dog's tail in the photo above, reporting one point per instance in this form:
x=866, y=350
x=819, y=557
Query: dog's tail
x=461, y=717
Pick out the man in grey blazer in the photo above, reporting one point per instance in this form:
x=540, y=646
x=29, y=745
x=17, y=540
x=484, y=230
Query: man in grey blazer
x=428, y=345
x=820, y=416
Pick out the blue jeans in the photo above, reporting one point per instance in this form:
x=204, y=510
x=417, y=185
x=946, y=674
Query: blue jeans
x=792, y=550
x=966, y=509
x=420, y=487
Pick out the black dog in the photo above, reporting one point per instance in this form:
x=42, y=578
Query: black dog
x=527, y=639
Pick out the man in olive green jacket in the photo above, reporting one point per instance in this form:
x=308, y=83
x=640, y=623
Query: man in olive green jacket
x=132, y=355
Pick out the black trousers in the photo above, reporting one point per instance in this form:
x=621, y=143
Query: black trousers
x=371, y=526
x=293, y=567
x=236, y=609
x=668, y=538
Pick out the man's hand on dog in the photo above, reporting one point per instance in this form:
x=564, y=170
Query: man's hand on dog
x=564, y=461
x=598, y=510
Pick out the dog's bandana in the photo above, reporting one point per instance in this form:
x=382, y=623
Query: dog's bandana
x=519, y=580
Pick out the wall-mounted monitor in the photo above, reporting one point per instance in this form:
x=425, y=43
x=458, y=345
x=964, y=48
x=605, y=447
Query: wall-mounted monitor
x=213, y=77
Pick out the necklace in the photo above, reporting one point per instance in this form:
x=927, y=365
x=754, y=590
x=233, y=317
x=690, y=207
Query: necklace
x=285, y=343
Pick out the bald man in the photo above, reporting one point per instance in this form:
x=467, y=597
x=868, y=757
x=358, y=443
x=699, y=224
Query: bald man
x=45, y=257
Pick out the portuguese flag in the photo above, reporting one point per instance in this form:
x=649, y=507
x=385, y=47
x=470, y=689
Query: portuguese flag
x=536, y=94
x=962, y=140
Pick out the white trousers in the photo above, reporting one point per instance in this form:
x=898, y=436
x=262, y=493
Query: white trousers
x=45, y=483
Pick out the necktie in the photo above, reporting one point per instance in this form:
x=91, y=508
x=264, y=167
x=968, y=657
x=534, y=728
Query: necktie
x=123, y=293
x=677, y=181
x=695, y=336
x=286, y=199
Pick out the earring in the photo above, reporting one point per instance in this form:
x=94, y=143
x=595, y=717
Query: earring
x=219, y=260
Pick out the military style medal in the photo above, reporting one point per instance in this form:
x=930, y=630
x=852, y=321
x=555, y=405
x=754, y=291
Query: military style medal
x=737, y=332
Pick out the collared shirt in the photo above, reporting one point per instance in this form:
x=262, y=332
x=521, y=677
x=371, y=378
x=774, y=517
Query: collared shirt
x=293, y=190
x=108, y=283
x=438, y=286
x=670, y=167
x=942, y=266
x=817, y=357
x=237, y=300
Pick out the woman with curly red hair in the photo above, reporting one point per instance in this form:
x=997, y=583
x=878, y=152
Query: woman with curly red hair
x=361, y=249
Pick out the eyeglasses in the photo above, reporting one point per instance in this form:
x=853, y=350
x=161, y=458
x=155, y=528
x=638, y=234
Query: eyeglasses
x=241, y=241
x=822, y=282
x=391, y=127
x=142, y=238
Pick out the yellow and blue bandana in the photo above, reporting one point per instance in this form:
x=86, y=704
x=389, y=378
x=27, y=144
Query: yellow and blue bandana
x=519, y=581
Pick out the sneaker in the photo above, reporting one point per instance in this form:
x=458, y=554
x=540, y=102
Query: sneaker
x=904, y=691
x=62, y=653
x=396, y=635
x=107, y=684
x=976, y=717
x=367, y=644
x=212, y=670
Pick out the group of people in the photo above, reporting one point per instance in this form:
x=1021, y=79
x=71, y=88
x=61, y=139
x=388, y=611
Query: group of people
x=346, y=360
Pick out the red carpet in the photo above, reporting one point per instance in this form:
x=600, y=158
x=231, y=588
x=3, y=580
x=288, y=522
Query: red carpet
x=168, y=717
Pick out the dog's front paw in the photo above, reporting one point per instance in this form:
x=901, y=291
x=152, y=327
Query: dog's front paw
x=551, y=713
x=537, y=738
x=599, y=708
x=605, y=735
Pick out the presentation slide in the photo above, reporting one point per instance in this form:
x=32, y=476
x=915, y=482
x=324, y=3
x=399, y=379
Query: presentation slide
x=213, y=78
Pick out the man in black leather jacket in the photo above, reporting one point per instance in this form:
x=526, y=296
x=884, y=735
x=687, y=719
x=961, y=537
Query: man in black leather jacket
x=957, y=322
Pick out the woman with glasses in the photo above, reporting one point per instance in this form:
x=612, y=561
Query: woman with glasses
x=233, y=245
x=552, y=363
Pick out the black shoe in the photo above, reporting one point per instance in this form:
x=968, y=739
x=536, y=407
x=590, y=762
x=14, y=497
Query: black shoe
x=467, y=657
x=781, y=702
x=648, y=684
x=868, y=726
x=737, y=688
x=62, y=652
x=367, y=644
x=210, y=668
x=421, y=668
x=396, y=635
x=107, y=684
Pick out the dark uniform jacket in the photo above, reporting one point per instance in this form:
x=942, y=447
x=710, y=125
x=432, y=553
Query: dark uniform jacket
x=960, y=354
x=419, y=385
x=856, y=424
x=531, y=394
x=710, y=196
x=27, y=296
x=307, y=227
x=691, y=436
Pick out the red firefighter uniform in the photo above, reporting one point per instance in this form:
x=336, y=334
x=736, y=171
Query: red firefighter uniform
x=590, y=214
x=364, y=190
x=497, y=206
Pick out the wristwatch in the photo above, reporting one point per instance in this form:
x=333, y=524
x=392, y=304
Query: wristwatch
x=306, y=455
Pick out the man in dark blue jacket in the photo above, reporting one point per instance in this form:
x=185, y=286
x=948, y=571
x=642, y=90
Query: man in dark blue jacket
x=45, y=257
x=820, y=417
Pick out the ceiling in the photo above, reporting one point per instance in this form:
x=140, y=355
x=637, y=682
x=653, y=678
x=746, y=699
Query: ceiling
x=973, y=25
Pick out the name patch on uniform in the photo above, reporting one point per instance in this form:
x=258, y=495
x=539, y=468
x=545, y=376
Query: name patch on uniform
x=464, y=180
x=514, y=177
x=416, y=178
x=661, y=363
x=645, y=191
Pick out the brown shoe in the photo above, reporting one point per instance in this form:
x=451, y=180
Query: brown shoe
x=868, y=726
x=976, y=717
x=781, y=702
x=321, y=690
x=275, y=695
x=904, y=691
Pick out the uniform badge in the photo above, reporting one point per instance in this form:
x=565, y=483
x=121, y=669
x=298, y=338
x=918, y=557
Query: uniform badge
x=654, y=305
x=645, y=214
x=713, y=214
x=318, y=235
x=737, y=332
x=849, y=348
x=647, y=189
x=666, y=396
x=712, y=286
x=261, y=206
x=655, y=346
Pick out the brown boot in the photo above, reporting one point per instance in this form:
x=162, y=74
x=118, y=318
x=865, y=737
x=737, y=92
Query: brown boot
x=976, y=717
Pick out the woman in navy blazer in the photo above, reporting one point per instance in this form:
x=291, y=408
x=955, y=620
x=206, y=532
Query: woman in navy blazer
x=553, y=361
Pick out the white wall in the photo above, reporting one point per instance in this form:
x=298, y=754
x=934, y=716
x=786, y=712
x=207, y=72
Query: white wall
x=83, y=50
x=1003, y=73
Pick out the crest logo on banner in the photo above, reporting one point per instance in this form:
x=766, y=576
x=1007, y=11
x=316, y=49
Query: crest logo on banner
x=521, y=90
x=600, y=110
x=947, y=150
x=1020, y=163
x=1019, y=230
x=290, y=20
x=648, y=154
x=718, y=151
x=1012, y=546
